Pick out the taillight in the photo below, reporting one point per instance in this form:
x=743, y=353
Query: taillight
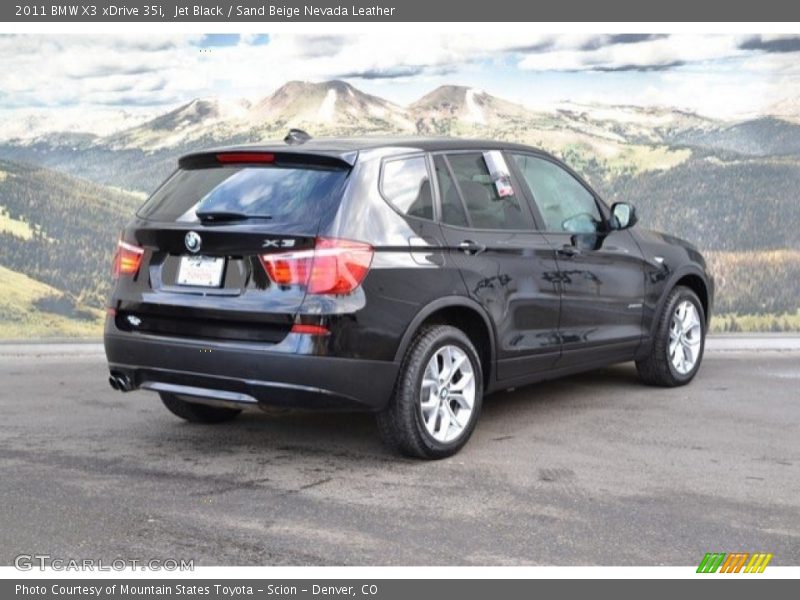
x=127, y=259
x=339, y=266
x=333, y=267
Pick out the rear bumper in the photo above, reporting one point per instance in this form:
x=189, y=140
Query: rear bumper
x=249, y=373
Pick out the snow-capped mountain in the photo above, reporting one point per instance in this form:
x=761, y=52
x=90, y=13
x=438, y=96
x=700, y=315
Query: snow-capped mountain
x=192, y=121
x=327, y=107
x=788, y=108
x=338, y=108
x=611, y=139
x=29, y=124
x=640, y=123
x=329, y=104
x=201, y=111
x=455, y=103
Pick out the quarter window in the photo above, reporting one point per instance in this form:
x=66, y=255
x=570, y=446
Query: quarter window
x=407, y=186
x=564, y=203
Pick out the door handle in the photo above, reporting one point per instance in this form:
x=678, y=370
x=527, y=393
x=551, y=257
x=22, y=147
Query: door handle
x=471, y=248
x=569, y=250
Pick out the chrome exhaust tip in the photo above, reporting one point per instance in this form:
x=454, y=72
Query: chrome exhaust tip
x=120, y=382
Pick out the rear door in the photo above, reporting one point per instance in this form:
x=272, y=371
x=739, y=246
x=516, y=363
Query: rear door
x=206, y=233
x=601, y=272
x=507, y=266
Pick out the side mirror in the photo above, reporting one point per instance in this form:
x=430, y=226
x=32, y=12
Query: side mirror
x=623, y=215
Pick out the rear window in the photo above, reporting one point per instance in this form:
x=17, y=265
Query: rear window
x=285, y=194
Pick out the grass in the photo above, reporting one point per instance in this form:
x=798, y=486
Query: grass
x=20, y=319
x=731, y=322
x=15, y=227
x=756, y=285
x=651, y=158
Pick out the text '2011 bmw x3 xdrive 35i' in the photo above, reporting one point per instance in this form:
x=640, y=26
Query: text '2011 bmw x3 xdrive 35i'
x=408, y=277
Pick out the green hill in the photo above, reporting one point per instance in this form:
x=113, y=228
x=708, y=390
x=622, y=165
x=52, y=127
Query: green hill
x=31, y=309
x=742, y=204
x=766, y=136
x=61, y=231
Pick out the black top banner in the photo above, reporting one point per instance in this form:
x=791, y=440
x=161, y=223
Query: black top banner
x=400, y=11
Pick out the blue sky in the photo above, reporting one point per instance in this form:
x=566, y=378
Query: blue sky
x=721, y=75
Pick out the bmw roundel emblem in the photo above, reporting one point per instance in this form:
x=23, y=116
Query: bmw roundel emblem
x=192, y=241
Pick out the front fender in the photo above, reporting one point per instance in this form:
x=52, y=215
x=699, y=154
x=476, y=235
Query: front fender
x=662, y=282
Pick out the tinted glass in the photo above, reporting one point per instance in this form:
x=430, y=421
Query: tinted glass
x=452, y=209
x=487, y=194
x=564, y=203
x=406, y=185
x=285, y=194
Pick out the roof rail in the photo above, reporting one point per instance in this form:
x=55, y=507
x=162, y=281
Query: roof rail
x=296, y=136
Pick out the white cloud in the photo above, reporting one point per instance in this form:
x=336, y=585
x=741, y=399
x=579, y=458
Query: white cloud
x=653, y=54
x=77, y=70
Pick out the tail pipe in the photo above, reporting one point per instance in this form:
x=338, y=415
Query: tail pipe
x=120, y=382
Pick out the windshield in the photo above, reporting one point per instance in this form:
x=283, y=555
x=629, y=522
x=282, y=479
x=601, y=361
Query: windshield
x=284, y=194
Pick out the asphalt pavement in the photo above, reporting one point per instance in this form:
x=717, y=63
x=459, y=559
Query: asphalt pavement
x=594, y=469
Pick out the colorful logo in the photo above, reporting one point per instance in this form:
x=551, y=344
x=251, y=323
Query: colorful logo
x=735, y=562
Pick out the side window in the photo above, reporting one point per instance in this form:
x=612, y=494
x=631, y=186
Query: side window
x=452, y=209
x=405, y=183
x=485, y=186
x=564, y=203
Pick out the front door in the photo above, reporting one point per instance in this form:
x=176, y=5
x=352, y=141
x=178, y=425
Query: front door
x=601, y=272
x=507, y=266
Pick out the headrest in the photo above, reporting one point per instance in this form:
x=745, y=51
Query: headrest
x=476, y=196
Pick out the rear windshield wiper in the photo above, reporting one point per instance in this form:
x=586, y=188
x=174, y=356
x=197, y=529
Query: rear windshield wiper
x=211, y=216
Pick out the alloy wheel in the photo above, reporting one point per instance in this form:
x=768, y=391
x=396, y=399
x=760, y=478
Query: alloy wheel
x=447, y=394
x=685, y=337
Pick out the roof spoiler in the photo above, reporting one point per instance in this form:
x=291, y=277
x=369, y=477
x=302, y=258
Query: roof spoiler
x=248, y=156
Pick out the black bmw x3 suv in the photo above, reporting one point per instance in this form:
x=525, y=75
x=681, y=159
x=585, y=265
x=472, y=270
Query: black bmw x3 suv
x=404, y=276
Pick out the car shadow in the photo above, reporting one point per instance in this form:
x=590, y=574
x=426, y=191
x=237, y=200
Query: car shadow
x=355, y=436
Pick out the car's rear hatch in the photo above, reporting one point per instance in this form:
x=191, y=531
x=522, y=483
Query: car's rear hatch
x=202, y=239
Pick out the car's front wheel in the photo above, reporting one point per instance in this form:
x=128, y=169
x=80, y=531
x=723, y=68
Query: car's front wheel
x=438, y=395
x=197, y=413
x=677, y=349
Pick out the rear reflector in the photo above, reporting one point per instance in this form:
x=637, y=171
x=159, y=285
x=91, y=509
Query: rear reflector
x=310, y=329
x=246, y=157
x=334, y=266
x=127, y=259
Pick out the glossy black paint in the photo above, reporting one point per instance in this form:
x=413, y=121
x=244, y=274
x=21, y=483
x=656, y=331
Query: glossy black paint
x=537, y=304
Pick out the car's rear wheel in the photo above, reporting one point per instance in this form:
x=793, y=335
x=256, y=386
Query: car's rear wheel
x=438, y=395
x=679, y=342
x=197, y=413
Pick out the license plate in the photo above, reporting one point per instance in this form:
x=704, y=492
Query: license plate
x=201, y=271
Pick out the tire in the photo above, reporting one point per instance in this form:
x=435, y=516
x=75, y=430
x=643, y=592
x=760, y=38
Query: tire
x=197, y=413
x=404, y=424
x=659, y=368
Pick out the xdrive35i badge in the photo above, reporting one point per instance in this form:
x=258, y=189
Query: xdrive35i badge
x=192, y=241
